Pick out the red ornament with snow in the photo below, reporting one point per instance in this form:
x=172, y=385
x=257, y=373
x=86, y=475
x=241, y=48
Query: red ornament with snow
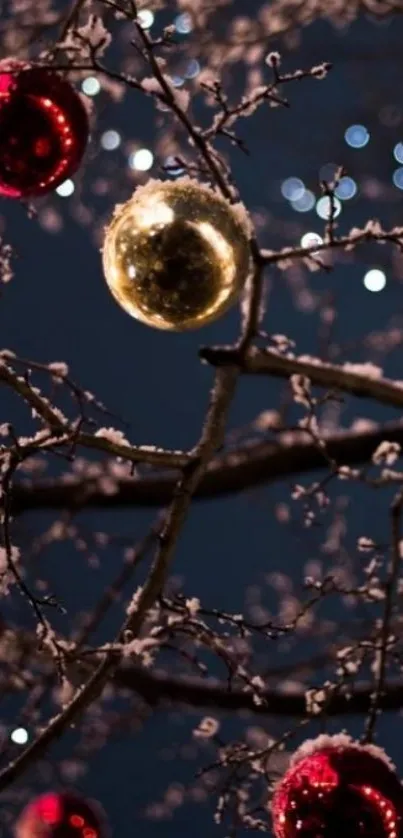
x=43, y=129
x=336, y=788
x=61, y=815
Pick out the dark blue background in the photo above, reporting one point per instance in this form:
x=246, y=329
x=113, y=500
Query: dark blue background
x=58, y=307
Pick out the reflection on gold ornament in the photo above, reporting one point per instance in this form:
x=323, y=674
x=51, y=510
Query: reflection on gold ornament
x=175, y=255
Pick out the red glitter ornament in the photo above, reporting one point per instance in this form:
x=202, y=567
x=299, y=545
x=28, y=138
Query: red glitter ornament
x=43, y=129
x=338, y=790
x=61, y=815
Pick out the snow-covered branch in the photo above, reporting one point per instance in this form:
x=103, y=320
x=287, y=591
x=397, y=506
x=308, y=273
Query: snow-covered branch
x=256, y=464
x=361, y=380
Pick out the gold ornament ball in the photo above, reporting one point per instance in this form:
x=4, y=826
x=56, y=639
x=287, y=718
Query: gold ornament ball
x=176, y=255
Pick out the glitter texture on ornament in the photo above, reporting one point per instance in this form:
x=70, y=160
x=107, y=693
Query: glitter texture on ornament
x=176, y=255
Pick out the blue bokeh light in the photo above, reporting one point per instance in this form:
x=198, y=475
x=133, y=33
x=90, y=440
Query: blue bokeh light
x=173, y=167
x=110, y=140
x=292, y=188
x=305, y=202
x=346, y=188
x=356, y=136
x=193, y=69
x=183, y=24
x=398, y=152
x=398, y=177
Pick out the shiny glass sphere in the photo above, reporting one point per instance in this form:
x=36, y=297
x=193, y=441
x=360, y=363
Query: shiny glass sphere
x=175, y=255
x=43, y=129
x=61, y=815
x=338, y=792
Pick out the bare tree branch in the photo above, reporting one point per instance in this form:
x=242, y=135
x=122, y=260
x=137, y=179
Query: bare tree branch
x=210, y=439
x=157, y=689
x=363, y=383
x=252, y=465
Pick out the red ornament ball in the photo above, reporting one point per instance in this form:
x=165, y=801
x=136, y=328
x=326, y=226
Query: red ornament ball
x=338, y=791
x=61, y=815
x=43, y=129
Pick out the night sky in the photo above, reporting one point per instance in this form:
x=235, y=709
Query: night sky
x=58, y=308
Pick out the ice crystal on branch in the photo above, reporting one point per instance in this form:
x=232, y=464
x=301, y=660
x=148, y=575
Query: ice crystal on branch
x=207, y=728
x=387, y=452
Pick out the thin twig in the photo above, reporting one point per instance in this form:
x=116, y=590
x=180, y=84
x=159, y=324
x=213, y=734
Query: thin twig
x=348, y=242
x=60, y=426
x=211, y=438
x=390, y=590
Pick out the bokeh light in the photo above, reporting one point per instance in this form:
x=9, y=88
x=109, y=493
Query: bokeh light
x=19, y=736
x=374, y=280
x=145, y=18
x=323, y=207
x=398, y=177
x=91, y=86
x=173, y=167
x=65, y=189
x=305, y=202
x=110, y=140
x=177, y=81
x=141, y=160
x=292, y=188
x=356, y=136
x=346, y=188
x=193, y=69
x=398, y=152
x=309, y=239
x=183, y=24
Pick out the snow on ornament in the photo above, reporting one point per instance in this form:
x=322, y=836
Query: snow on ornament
x=176, y=255
x=61, y=815
x=336, y=788
x=43, y=129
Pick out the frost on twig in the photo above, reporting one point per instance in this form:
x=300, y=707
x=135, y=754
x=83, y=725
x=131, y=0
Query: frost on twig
x=214, y=85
